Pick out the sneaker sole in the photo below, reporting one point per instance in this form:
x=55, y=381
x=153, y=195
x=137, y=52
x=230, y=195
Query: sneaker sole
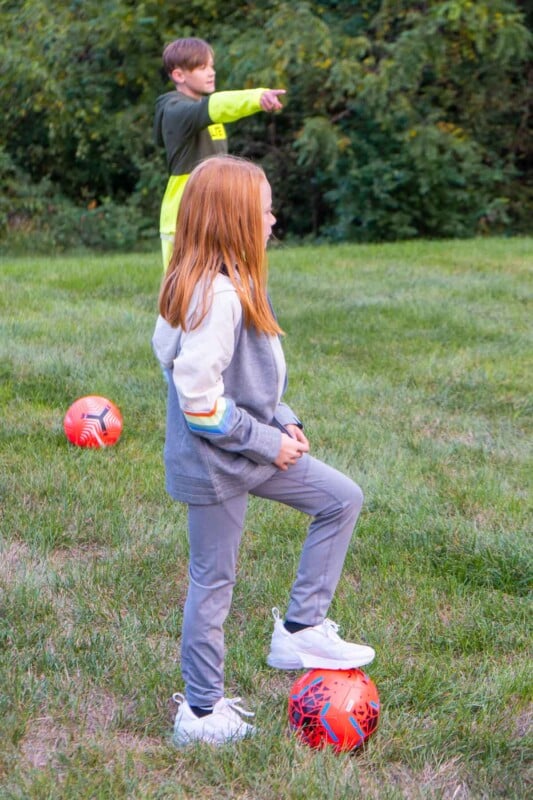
x=315, y=662
x=185, y=741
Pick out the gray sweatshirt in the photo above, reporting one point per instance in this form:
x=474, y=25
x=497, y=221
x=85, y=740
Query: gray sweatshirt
x=224, y=413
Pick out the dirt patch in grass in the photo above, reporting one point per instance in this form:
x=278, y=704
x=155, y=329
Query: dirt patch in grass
x=15, y=559
x=43, y=741
x=524, y=722
x=92, y=725
x=446, y=781
x=66, y=556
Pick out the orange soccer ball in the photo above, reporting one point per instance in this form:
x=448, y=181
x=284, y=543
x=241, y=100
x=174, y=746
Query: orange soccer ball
x=334, y=708
x=93, y=421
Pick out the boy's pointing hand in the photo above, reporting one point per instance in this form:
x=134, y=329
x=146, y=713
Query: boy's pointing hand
x=269, y=100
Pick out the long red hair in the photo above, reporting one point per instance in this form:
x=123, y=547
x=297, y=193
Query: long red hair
x=219, y=227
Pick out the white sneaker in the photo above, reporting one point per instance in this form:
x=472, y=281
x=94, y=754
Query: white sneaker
x=316, y=647
x=223, y=724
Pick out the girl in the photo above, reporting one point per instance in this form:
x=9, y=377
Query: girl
x=230, y=435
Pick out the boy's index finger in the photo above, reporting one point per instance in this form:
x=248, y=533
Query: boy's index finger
x=269, y=99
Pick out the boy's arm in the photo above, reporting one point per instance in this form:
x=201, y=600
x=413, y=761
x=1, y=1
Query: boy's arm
x=230, y=106
x=182, y=118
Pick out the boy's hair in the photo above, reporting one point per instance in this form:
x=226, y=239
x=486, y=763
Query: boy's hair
x=219, y=228
x=186, y=54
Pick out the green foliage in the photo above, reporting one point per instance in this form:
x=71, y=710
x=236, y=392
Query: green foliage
x=401, y=119
x=426, y=182
x=37, y=215
x=405, y=120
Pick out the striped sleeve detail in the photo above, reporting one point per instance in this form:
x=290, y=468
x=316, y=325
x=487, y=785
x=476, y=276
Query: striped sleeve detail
x=216, y=421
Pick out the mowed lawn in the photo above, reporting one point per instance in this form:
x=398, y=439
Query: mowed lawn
x=411, y=367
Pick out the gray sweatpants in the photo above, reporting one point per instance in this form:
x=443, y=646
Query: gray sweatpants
x=332, y=499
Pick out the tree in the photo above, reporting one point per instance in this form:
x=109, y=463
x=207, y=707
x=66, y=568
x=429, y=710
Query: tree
x=402, y=118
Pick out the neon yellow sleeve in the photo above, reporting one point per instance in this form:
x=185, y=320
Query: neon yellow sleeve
x=230, y=106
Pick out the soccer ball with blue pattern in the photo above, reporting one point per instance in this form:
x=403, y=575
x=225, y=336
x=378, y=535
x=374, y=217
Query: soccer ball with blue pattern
x=334, y=708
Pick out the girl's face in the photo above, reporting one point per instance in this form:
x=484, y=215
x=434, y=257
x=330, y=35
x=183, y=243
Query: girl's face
x=197, y=82
x=266, y=206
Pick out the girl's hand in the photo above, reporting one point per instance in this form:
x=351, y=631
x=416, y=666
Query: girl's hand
x=291, y=450
x=297, y=433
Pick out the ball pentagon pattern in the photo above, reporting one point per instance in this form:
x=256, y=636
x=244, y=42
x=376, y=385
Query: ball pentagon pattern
x=93, y=421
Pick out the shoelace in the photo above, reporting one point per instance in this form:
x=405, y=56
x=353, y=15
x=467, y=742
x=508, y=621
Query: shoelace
x=233, y=704
x=225, y=702
x=331, y=629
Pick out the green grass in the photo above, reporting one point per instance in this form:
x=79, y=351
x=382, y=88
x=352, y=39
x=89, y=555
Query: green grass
x=411, y=367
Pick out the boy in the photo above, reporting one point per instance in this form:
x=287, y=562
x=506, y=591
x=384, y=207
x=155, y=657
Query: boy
x=189, y=121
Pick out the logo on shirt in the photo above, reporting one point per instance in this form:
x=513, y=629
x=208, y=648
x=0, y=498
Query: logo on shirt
x=217, y=132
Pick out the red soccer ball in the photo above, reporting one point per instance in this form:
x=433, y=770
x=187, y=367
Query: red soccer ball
x=93, y=422
x=335, y=708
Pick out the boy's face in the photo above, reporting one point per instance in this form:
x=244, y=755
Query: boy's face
x=195, y=82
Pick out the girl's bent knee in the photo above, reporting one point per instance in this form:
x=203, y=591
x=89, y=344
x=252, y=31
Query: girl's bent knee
x=356, y=497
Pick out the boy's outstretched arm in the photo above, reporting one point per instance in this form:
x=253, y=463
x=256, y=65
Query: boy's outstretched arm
x=230, y=106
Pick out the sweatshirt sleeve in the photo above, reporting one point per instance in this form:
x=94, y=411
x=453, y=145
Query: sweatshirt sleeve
x=204, y=354
x=285, y=416
x=165, y=342
x=230, y=106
